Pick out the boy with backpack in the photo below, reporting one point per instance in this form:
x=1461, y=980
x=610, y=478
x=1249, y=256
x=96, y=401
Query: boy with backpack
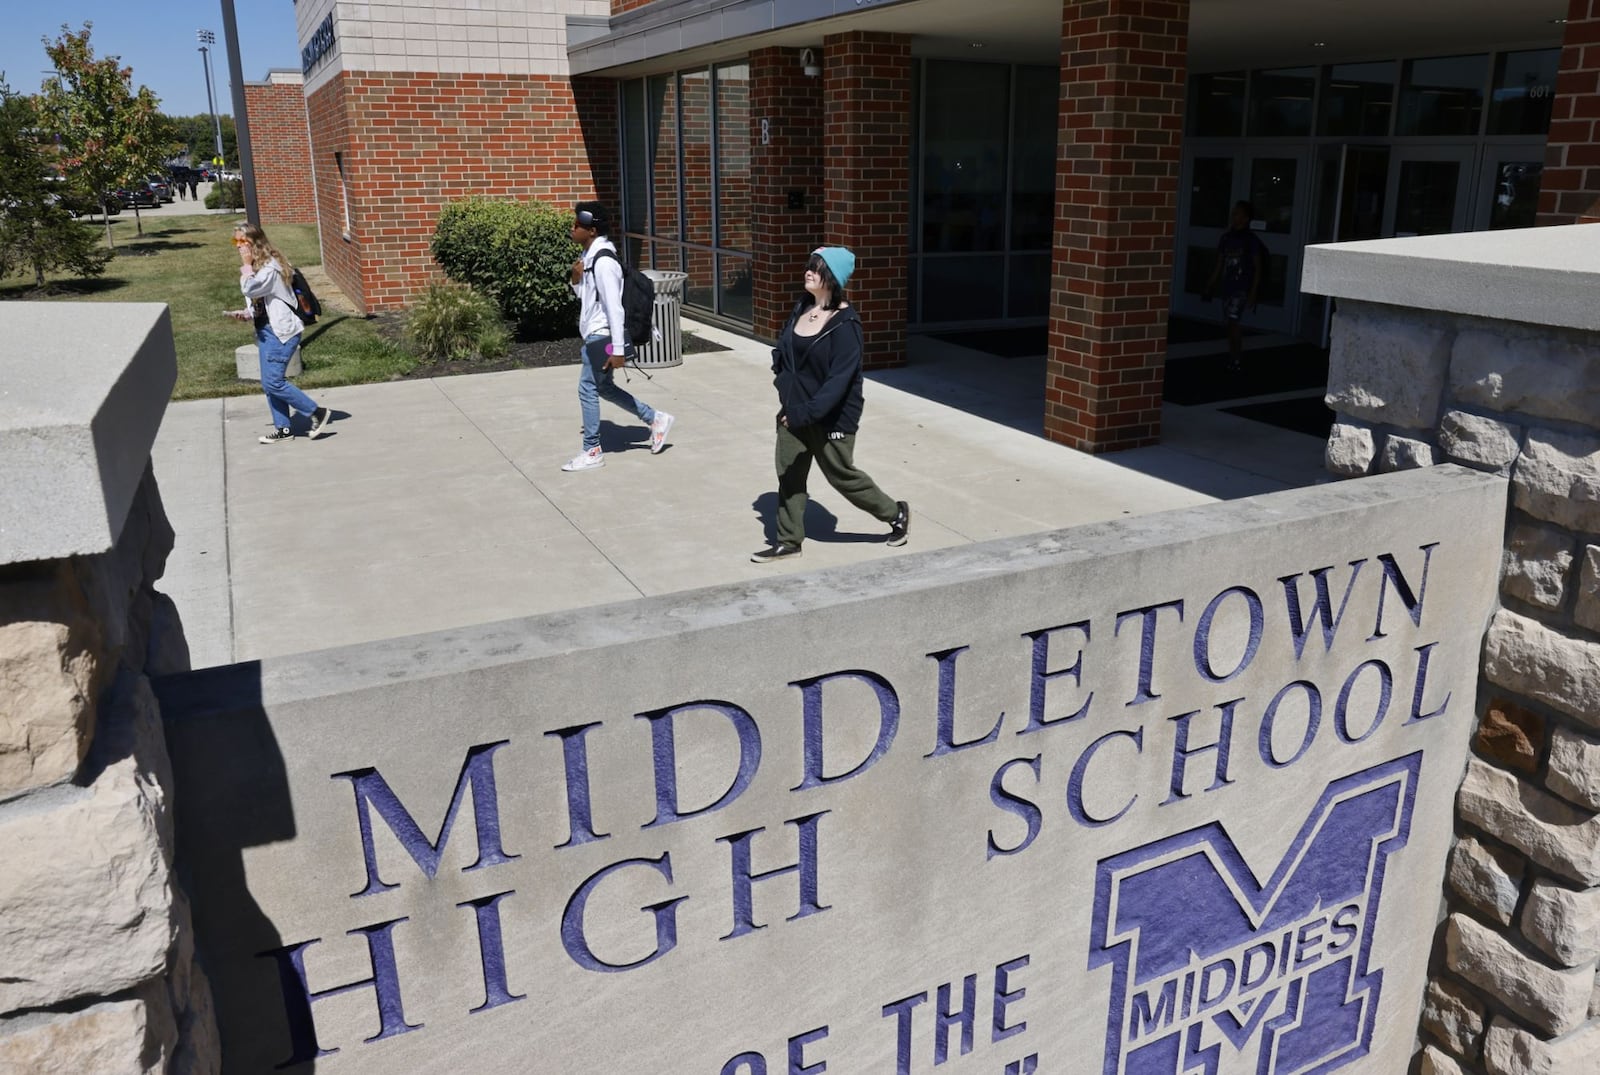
x=597, y=280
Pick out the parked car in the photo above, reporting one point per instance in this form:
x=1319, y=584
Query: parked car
x=162, y=187
x=141, y=195
x=79, y=202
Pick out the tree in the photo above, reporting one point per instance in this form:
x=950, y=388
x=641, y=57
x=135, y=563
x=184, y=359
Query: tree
x=197, y=138
x=36, y=231
x=108, y=131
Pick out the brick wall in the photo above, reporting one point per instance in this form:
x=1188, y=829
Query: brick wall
x=1122, y=96
x=329, y=117
x=413, y=142
x=282, y=149
x=867, y=178
x=1570, y=189
x=783, y=97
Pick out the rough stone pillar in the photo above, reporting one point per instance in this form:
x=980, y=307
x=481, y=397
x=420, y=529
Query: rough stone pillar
x=785, y=179
x=1569, y=191
x=866, y=165
x=1120, y=143
x=1506, y=380
x=97, y=970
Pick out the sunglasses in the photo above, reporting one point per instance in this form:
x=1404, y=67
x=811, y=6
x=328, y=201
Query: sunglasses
x=240, y=241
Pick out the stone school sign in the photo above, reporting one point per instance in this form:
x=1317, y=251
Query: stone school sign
x=1149, y=798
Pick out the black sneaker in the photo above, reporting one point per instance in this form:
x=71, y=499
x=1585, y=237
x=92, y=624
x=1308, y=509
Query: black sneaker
x=319, y=421
x=900, y=529
x=778, y=551
x=279, y=434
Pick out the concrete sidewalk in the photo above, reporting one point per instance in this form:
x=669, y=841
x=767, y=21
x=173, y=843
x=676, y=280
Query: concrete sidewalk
x=438, y=504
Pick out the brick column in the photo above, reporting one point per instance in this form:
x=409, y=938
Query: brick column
x=783, y=161
x=867, y=178
x=1569, y=192
x=282, y=147
x=1122, y=93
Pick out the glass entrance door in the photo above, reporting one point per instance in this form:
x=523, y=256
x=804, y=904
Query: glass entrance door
x=1508, y=187
x=1274, y=180
x=1429, y=190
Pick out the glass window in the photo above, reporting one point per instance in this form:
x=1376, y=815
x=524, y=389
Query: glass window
x=1443, y=96
x=1524, y=90
x=1281, y=102
x=1211, y=192
x=963, y=288
x=1198, y=264
x=694, y=103
x=663, y=130
x=1030, y=286
x=1516, y=194
x=1033, y=157
x=733, y=276
x=963, y=163
x=1426, y=201
x=636, y=162
x=700, y=289
x=733, y=157
x=1272, y=181
x=1358, y=100
x=1216, y=105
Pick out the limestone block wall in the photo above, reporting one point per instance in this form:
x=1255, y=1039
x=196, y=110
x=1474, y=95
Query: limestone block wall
x=97, y=968
x=1514, y=988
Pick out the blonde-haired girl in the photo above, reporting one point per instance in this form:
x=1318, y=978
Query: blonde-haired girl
x=264, y=275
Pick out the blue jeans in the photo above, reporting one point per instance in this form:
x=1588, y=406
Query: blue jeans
x=281, y=395
x=595, y=381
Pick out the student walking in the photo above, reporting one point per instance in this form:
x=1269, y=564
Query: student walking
x=597, y=281
x=817, y=370
x=264, y=275
x=1241, y=262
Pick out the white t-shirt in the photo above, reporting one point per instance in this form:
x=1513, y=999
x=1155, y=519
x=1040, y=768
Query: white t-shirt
x=601, y=294
x=267, y=283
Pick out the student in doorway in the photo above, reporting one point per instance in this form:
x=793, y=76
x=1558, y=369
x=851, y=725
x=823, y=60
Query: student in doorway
x=1241, y=263
x=597, y=281
x=817, y=370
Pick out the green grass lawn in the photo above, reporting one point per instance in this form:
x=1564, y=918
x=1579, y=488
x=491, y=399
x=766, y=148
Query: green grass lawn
x=189, y=263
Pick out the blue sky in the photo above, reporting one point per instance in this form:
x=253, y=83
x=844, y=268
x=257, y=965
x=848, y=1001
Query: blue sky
x=157, y=39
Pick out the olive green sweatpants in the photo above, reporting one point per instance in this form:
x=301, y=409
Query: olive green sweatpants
x=796, y=449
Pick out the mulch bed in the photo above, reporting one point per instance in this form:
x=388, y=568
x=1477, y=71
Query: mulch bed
x=523, y=355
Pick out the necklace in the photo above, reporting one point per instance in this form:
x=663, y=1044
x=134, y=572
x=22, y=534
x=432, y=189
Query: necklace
x=813, y=315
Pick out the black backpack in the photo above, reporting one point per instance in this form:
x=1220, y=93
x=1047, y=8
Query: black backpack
x=307, y=307
x=638, y=300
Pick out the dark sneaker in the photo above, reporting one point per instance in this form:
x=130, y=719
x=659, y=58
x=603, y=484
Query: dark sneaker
x=775, y=552
x=900, y=529
x=281, y=433
x=319, y=421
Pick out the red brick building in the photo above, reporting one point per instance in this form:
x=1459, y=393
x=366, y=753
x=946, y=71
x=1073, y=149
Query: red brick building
x=1062, y=164
x=280, y=140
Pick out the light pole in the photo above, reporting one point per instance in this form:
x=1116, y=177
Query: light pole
x=207, y=39
x=241, y=117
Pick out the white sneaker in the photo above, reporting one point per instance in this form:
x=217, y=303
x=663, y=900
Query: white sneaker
x=594, y=457
x=659, y=430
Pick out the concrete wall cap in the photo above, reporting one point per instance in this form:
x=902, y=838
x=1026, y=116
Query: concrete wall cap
x=1540, y=276
x=83, y=387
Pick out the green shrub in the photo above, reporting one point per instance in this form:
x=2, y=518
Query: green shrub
x=520, y=253
x=226, y=194
x=453, y=322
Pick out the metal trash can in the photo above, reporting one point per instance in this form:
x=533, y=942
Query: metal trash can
x=666, y=348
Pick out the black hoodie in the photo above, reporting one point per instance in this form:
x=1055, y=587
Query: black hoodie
x=819, y=377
